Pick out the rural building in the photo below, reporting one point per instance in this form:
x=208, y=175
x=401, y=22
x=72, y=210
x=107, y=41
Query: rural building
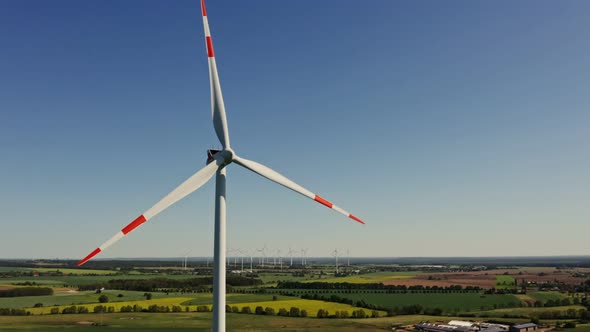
x=490, y=327
x=463, y=323
x=426, y=327
x=523, y=327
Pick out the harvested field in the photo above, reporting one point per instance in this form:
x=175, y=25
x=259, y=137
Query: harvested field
x=487, y=279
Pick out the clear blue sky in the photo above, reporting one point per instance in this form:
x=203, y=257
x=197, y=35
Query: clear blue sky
x=453, y=128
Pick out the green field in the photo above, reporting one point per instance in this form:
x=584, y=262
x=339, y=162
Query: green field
x=505, y=282
x=448, y=302
x=235, y=298
x=546, y=296
x=56, y=269
x=151, y=322
x=75, y=298
x=76, y=280
x=377, y=277
x=531, y=312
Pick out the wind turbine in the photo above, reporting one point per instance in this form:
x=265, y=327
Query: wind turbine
x=291, y=255
x=335, y=254
x=216, y=164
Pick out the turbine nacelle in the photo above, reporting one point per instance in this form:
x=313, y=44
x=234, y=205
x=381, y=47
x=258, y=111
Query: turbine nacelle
x=222, y=157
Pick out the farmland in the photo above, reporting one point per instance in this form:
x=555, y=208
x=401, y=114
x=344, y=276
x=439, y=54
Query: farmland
x=177, y=298
x=376, y=277
x=449, y=303
x=195, y=322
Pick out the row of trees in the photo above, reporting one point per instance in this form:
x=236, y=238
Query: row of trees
x=169, y=285
x=26, y=291
x=13, y=312
x=373, y=286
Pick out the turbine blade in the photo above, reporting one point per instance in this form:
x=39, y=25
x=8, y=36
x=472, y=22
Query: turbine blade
x=217, y=105
x=191, y=184
x=282, y=180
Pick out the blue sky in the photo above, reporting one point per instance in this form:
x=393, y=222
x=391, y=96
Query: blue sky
x=453, y=128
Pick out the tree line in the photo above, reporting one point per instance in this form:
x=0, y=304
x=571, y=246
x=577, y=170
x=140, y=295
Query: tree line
x=166, y=284
x=26, y=291
x=372, y=286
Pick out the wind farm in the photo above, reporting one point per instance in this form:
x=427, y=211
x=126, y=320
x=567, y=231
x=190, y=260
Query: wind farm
x=454, y=134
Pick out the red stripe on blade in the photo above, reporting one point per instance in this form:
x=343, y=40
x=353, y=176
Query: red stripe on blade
x=355, y=219
x=209, y=47
x=323, y=201
x=140, y=220
x=203, y=9
x=87, y=258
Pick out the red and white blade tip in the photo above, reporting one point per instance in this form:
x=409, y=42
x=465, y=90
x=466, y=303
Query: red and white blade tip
x=329, y=204
x=126, y=230
x=203, y=9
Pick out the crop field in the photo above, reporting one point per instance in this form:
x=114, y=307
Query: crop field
x=312, y=306
x=377, y=277
x=505, y=282
x=154, y=322
x=546, y=296
x=448, y=302
x=74, y=271
x=169, y=301
x=76, y=280
x=580, y=328
x=488, y=278
x=75, y=298
x=531, y=312
x=236, y=298
x=57, y=269
x=272, y=278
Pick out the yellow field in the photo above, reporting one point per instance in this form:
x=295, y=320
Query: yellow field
x=117, y=305
x=312, y=306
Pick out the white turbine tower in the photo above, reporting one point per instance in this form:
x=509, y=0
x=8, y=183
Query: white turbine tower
x=291, y=256
x=216, y=165
x=335, y=254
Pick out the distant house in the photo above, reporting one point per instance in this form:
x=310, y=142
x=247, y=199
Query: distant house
x=523, y=327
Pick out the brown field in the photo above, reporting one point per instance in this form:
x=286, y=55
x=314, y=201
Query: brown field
x=487, y=279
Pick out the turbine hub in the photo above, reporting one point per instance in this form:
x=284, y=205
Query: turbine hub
x=226, y=155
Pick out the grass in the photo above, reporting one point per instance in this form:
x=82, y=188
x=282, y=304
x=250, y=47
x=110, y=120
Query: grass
x=154, y=322
x=531, y=312
x=90, y=297
x=546, y=296
x=73, y=271
x=237, y=298
x=75, y=298
x=505, y=282
x=448, y=302
x=273, y=278
x=377, y=277
x=151, y=322
x=76, y=280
